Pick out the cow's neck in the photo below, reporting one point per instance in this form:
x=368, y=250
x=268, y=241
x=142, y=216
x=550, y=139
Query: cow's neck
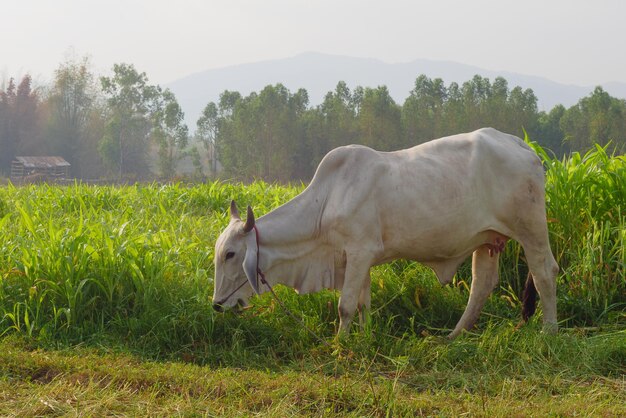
x=291, y=248
x=295, y=222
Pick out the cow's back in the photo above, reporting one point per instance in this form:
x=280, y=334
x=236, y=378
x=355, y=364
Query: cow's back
x=429, y=201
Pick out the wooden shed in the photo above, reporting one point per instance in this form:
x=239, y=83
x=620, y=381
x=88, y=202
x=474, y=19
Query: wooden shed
x=48, y=167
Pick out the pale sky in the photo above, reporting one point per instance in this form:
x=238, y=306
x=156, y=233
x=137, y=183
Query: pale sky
x=570, y=41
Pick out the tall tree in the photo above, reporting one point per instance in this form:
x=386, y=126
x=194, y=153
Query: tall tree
x=298, y=133
x=597, y=118
x=169, y=131
x=523, y=111
x=20, y=122
x=261, y=135
x=130, y=99
x=379, y=120
x=206, y=133
x=28, y=118
x=498, y=115
x=454, y=111
x=549, y=133
x=339, y=113
x=8, y=137
x=230, y=145
x=423, y=110
x=73, y=104
x=475, y=94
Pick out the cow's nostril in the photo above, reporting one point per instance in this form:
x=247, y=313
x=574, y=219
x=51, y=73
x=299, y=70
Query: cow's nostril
x=218, y=307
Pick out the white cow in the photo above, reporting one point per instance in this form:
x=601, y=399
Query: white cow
x=435, y=203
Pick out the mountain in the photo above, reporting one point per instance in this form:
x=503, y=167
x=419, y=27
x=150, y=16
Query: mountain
x=319, y=73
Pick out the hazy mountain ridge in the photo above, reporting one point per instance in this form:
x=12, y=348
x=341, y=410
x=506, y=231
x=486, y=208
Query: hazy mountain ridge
x=319, y=73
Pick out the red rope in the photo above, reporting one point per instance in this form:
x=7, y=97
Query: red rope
x=280, y=302
x=258, y=270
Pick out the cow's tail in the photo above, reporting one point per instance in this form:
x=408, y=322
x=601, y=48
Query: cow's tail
x=529, y=298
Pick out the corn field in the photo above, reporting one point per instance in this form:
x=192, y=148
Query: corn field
x=134, y=264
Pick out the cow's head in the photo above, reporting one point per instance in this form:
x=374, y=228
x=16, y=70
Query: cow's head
x=235, y=262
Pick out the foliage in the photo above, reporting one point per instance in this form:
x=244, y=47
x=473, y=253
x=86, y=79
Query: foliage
x=596, y=119
x=140, y=112
x=130, y=99
x=257, y=135
x=586, y=195
x=169, y=131
x=206, y=134
x=20, y=121
x=244, y=131
x=272, y=136
x=127, y=128
x=74, y=109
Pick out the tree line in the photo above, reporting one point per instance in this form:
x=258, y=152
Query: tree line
x=122, y=127
x=275, y=135
x=104, y=127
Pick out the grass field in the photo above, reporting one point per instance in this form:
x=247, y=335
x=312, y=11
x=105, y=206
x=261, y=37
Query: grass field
x=105, y=308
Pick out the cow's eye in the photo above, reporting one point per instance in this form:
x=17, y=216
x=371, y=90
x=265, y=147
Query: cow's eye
x=230, y=255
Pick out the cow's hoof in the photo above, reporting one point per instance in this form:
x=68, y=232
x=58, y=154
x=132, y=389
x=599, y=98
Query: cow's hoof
x=550, y=328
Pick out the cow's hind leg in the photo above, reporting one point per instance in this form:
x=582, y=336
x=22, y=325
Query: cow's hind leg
x=484, y=280
x=532, y=233
x=357, y=273
x=543, y=269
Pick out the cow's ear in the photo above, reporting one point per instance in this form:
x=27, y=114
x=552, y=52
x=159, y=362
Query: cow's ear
x=250, y=264
x=234, y=212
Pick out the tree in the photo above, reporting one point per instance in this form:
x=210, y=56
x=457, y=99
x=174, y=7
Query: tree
x=230, y=144
x=454, y=111
x=74, y=110
x=8, y=137
x=206, y=133
x=523, y=110
x=20, y=122
x=549, y=133
x=169, y=131
x=475, y=93
x=339, y=112
x=261, y=135
x=130, y=99
x=28, y=118
x=273, y=142
x=379, y=120
x=497, y=109
x=423, y=110
x=597, y=118
x=314, y=143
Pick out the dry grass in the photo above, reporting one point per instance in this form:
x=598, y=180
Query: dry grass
x=87, y=382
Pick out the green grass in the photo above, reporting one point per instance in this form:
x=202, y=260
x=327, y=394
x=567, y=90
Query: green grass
x=107, y=286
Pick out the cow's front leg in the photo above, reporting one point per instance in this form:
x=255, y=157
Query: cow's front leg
x=365, y=301
x=484, y=280
x=357, y=272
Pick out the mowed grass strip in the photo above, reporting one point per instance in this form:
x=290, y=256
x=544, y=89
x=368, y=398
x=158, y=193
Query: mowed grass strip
x=89, y=382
